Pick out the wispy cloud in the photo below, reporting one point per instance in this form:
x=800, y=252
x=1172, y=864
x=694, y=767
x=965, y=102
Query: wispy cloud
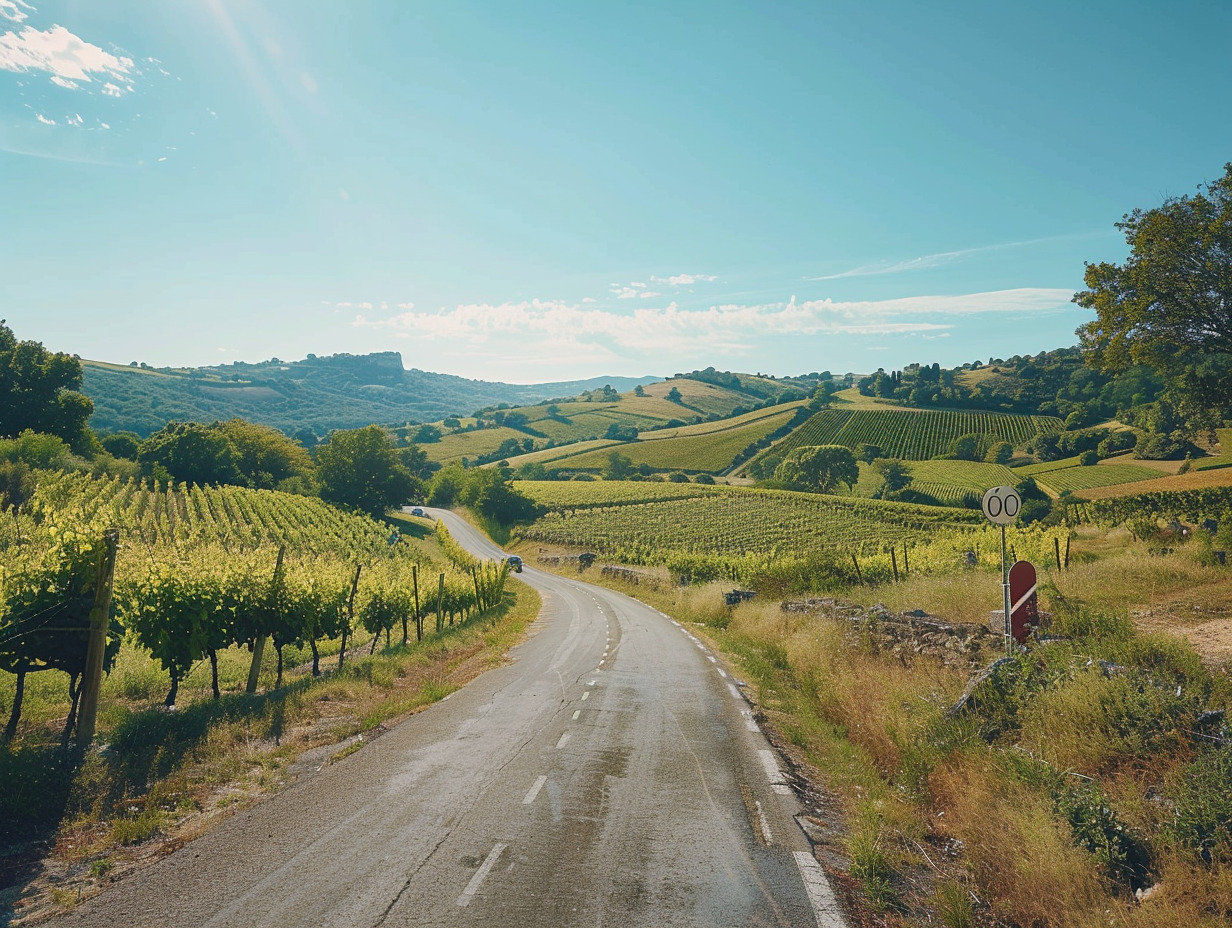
x=59, y=53
x=941, y=258
x=684, y=280
x=15, y=10
x=732, y=328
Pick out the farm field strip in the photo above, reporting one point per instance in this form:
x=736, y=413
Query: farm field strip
x=1086, y=478
x=970, y=475
x=909, y=434
x=711, y=451
x=1194, y=480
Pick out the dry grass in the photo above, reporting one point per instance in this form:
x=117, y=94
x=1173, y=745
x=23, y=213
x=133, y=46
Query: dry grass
x=1024, y=860
x=1190, y=481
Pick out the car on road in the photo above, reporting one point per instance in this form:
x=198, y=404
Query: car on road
x=515, y=563
x=417, y=512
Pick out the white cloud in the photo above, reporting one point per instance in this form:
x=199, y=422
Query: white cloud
x=646, y=294
x=111, y=90
x=74, y=120
x=684, y=280
x=64, y=82
x=725, y=328
x=624, y=293
x=44, y=120
x=59, y=53
x=406, y=306
x=589, y=299
x=14, y=10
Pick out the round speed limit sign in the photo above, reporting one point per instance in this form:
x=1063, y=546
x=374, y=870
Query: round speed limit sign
x=1001, y=505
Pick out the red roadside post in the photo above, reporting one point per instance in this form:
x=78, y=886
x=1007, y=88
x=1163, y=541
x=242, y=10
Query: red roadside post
x=1024, y=611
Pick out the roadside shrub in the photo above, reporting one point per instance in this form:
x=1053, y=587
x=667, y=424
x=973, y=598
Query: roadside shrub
x=1203, y=805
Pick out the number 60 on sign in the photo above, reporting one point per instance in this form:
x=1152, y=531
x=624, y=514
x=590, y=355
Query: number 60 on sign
x=1001, y=505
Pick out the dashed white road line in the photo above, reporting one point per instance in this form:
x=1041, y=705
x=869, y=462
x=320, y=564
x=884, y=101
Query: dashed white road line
x=534, y=791
x=763, y=822
x=480, y=875
x=749, y=722
x=576, y=713
x=722, y=672
x=772, y=771
x=585, y=695
x=563, y=739
x=735, y=692
x=825, y=904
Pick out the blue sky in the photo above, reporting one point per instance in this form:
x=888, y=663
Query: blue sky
x=537, y=191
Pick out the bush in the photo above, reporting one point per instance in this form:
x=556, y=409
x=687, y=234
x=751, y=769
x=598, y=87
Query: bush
x=1087, y=458
x=1203, y=805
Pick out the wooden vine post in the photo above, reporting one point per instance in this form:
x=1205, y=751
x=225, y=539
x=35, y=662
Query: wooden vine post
x=440, y=604
x=100, y=621
x=258, y=647
x=418, y=614
x=350, y=616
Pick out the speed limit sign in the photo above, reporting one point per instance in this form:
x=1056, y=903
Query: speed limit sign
x=1001, y=505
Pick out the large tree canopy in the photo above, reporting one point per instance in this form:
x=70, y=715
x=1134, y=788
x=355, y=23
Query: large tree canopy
x=38, y=390
x=818, y=468
x=361, y=468
x=1169, y=306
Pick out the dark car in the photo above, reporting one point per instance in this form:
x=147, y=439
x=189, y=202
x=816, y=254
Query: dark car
x=515, y=563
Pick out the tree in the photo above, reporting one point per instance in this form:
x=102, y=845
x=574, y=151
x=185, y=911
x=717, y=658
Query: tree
x=894, y=472
x=38, y=390
x=1169, y=306
x=868, y=453
x=818, y=468
x=263, y=455
x=190, y=452
x=619, y=467
x=360, y=468
x=122, y=444
x=1000, y=453
x=673, y=396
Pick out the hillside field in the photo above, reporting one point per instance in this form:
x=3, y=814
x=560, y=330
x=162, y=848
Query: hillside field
x=910, y=434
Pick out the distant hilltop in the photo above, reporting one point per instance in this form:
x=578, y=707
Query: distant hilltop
x=317, y=394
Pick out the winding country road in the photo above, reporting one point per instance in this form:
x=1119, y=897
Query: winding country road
x=610, y=774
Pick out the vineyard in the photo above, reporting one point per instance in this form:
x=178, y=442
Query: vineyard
x=965, y=475
x=564, y=495
x=1086, y=478
x=1194, y=480
x=914, y=435
x=1192, y=505
x=747, y=535
x=201, y=570
x=712, y=450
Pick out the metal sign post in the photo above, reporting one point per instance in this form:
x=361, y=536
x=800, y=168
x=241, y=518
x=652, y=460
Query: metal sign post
x=1001, y=506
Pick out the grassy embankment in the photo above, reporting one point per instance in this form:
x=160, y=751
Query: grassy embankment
x=1087, y=769
x=166, y=777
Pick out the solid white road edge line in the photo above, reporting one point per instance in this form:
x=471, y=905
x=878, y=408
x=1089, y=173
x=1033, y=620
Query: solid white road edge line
x=473, y=886
x=534, y=791
x=825, y=904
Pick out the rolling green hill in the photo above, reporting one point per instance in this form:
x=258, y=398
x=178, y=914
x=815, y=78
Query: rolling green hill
x=317, y=394
x=702, y=408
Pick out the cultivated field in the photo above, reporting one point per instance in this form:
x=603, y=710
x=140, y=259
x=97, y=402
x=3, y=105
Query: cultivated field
x=914, y=435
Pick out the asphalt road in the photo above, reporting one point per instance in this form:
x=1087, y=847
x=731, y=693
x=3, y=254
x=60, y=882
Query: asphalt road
x=610, y=774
